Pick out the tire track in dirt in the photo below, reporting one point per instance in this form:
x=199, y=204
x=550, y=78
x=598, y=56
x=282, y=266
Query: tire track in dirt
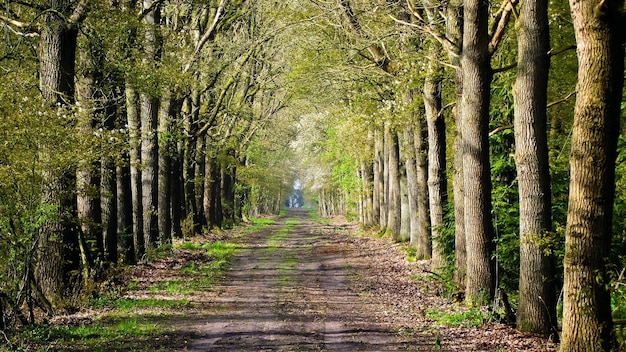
x=288, y=291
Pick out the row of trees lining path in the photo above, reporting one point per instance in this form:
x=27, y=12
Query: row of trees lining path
x=444, y=124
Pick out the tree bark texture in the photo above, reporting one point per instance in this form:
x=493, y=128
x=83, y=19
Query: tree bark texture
x=367, y=193
x=421, y=169
x=405, y=214
x=537, y=292
x=437, y=181
x=166, y=150
x=149, y=170
x=90, y=115
x=395, y=200
x=202, y=155
x=124, y=212
x=149, y=110
x=58, y=239
x=408, y=149
x=475, y=62
x=190, y=113
x=599, y=30
x=454, y=32
x=134, y=154
x=378, y=196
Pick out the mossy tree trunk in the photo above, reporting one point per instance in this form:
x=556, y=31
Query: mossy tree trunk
x=599, y=29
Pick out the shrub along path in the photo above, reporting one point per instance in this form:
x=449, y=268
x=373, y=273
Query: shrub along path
x=299, y=284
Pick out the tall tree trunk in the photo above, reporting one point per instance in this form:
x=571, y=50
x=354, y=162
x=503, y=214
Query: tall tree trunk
x=108, y=203
x=227, y=185
x=421, y=169
x=149, y=170
x=190, y=113
x=91, y=114
x=166, y=150
x=125, y=212
x=475, y=62
x=454, y=32
x=437, y=182
x=108, y=193
x=58, y=239
x=537, y=292
x=177, y=183
x=386, y=205
x=379, y=180
x=366, y=185
x=202, y=153
x=149, y=105
x=395, y=201
x=599, y=29
x=411, y=175
x=134, y=154
x=405, y=214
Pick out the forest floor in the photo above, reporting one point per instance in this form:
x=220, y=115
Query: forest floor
x=299, y=284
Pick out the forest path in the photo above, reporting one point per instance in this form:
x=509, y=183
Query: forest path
x=289, y=290
x=294, y=284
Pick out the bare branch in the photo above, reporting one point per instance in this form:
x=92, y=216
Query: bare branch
x=80, y=13
x=509, y=8
x=562, y=100
x=448, y=106
x=375, y=50
x=15, y=23
x=209, y=34
x=505, y=68
x=33, y=30
x=561, y=50
x=500, y=129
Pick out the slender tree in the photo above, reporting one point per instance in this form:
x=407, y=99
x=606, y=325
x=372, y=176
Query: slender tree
x=149, y=112
x=537, y=294
x=437, y=181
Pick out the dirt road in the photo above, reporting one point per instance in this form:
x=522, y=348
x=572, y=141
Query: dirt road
x=288, y=291
x=304, y=286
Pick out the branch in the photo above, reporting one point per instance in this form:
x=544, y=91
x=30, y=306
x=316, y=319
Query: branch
x=222, y=95
x=508, y=9
x=500, y=129
x=448, y=106
x=561, y=50
x=377, y=53
x=550, y=54
x=15, y=23
x=80, y=13
x=209, y=34
x=427, y=27
x=562, y=100
x=505, y=68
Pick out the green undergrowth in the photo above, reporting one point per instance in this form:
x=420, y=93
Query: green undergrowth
x=137, y=333
x=129, y=304
x=275, y=240
x=468, y=318
x=200, y=275
x=139, y=324
x=254, y=225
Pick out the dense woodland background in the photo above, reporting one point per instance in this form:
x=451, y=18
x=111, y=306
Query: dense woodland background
x=474, y=131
